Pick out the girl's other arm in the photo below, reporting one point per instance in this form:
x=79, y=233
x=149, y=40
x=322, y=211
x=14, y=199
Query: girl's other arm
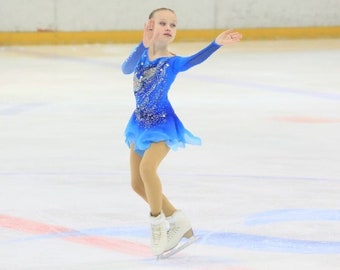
x=148, y=38
x=130, y=63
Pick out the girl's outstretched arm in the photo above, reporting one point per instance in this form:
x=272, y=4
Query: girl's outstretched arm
x=226, y=37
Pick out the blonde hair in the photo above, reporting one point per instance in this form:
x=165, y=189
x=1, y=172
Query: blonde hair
x=160, y=9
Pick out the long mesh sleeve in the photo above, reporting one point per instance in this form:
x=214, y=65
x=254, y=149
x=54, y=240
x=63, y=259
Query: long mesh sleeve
x=184, y=63
x=130, y=63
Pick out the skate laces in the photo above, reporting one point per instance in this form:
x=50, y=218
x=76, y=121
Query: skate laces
x=179, y=228
x=173, y=231
x=156, y=232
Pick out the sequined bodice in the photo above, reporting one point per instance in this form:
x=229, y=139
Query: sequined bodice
x=152, y=81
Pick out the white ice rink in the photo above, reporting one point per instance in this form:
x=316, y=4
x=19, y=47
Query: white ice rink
x=262, y=192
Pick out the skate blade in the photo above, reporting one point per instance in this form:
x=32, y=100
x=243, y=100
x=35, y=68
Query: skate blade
x=178, y=248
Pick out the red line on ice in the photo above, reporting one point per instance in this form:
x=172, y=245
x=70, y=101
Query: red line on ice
x=37, y=228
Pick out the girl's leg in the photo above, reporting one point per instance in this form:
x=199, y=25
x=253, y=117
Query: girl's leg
x=148, y=172
x=146, y=167
x=136, y=181
x=138, y=184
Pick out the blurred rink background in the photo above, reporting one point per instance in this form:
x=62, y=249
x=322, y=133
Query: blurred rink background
x=262, y=191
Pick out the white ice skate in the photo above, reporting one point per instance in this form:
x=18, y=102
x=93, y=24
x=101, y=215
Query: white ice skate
x=180, y=228
x=158, y=234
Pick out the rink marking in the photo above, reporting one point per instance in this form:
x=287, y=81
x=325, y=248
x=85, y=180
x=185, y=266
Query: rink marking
x=45, y=230
x=271, y=244
x=105, y=237
x=288, y=215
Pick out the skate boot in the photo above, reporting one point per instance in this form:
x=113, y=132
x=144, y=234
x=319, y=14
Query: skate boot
x=179, y=227
x=158, y=234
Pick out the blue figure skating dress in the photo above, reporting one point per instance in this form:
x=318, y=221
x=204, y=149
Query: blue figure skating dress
x=154, y=119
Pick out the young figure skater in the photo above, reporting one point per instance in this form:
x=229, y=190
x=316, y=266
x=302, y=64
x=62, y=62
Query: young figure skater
x=154, y=128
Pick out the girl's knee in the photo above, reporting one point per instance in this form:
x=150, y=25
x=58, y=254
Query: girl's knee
x=146, y=170
x=137, y=186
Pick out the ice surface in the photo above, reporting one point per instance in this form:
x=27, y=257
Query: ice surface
x=262, y=191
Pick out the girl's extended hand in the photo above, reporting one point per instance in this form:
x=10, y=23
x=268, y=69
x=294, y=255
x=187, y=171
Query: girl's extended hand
x=148, y=35
x=228, y=37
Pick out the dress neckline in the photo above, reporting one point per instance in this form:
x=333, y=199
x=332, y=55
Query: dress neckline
x=158, y=58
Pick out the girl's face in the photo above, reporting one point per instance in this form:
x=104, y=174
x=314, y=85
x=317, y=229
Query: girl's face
x=165, y=23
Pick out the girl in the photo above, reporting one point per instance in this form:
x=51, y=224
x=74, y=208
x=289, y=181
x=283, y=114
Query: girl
x=154, y=128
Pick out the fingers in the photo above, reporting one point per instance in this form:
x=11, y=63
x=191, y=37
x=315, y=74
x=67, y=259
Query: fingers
x=149, y=25
x=235, y=36
x=226, y=32
x=148, y=32
x=230, y=34
x=228, y=37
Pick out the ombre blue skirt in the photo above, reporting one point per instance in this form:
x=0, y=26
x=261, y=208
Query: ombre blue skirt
x=143, y=130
